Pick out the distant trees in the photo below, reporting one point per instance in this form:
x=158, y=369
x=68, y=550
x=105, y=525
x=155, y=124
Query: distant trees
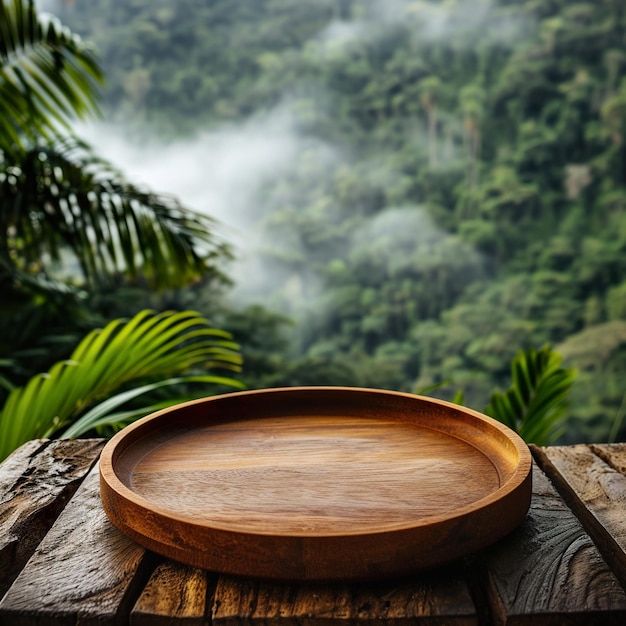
x=429, y=90
x=471, y=102
x=504, y=126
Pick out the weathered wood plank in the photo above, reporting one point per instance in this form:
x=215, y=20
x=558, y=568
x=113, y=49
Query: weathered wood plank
x=549, y=571
x=439, y=597
x=36, y=482
x=84, y=571
x=599, y=491
x=175, y=594
x=614, y=454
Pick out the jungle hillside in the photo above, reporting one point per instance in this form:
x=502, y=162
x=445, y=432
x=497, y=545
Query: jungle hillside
x=416, y=189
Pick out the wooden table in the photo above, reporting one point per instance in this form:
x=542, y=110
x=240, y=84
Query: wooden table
x=62, y=562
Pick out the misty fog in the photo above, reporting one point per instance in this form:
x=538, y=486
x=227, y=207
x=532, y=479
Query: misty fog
x=425, y=186
x=220, y=171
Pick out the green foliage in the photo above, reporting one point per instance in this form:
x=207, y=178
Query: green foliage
x=70, y=226
x=48, y=75
x=56, y=196
x=61, y=199
x=460, y=188
x=535, y=403
x=159, y=349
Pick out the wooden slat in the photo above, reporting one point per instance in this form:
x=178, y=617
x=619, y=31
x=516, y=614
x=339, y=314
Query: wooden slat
x=439, y=597
x=83, y=572
x=175, y=594
x=549, y=571
x=36, y=482
x=614, y=454
x=599, y=491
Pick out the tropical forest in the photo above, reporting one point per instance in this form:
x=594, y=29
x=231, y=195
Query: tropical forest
x=203, y=196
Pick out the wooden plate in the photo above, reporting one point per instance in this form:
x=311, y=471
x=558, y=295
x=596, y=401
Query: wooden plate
x=313, y=483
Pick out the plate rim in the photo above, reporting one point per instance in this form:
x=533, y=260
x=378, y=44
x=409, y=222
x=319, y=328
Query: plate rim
x=109, y=475
x=383, y=552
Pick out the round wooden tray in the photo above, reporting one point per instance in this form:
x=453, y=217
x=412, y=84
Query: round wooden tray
x=316, y=483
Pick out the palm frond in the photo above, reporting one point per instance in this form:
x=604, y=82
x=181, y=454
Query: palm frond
x=103, y=413
x=62, y=198
x=535, y=402
x=48, y=76
x=155, y=349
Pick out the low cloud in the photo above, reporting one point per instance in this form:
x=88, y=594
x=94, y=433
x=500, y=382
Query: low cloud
x=403, y=240
x=47, y=5
x=464, y=21
x=225, y=172
x=217, y=172
x=220, y=173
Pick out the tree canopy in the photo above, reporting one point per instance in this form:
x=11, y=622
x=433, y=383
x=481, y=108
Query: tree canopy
x=459, y=188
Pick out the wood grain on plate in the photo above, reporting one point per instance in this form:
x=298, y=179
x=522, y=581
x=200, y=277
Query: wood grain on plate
x=316, y=483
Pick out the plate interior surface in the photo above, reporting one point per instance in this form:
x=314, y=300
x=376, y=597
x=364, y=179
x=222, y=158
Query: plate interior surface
x=313, y=474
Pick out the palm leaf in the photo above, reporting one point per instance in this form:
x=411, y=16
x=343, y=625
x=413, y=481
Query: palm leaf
x=535, y=403
x=48, y=75
x=61, y=198
x=86, y=389
x=102, y=414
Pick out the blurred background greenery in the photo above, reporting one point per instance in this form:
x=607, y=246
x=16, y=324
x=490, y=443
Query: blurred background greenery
x=455, y=189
